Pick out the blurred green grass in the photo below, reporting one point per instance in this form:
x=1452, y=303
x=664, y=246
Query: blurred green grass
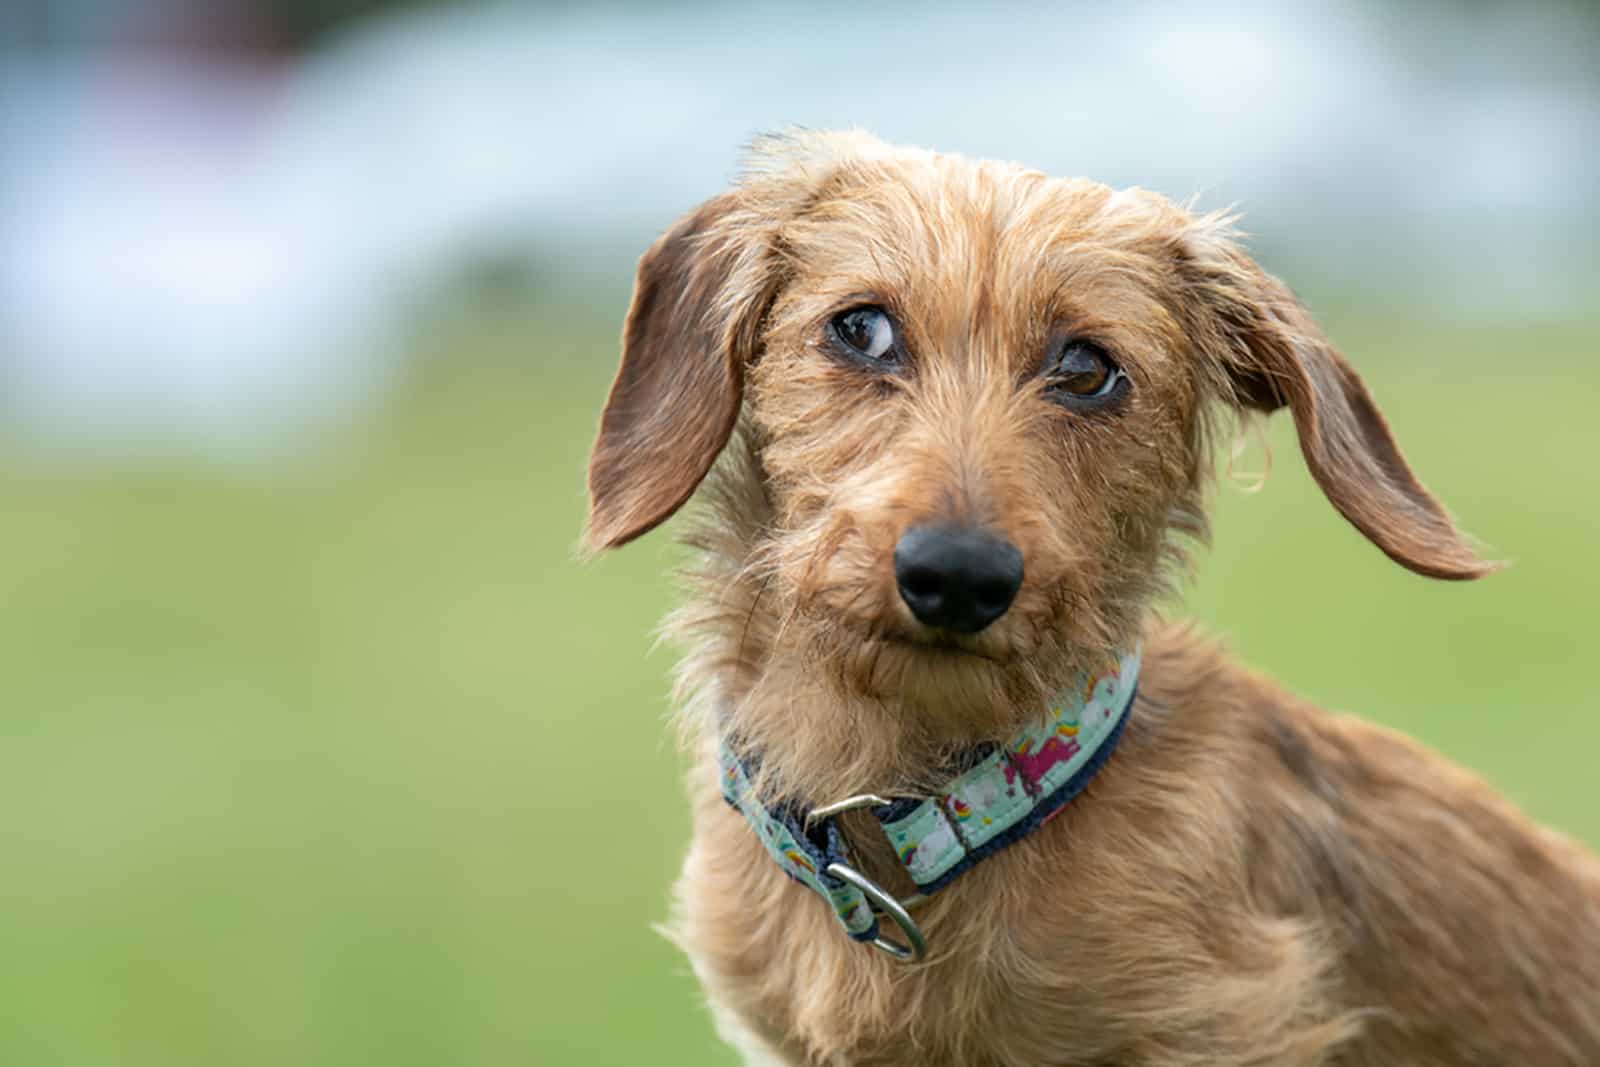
x=345, y=761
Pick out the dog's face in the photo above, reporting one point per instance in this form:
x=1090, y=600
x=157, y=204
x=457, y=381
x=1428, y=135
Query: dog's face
x=976, y=420
x=977, y=402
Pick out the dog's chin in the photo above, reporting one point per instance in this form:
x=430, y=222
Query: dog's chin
x=964, y=687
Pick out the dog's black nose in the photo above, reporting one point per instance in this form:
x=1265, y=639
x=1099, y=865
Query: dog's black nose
x=956, y=577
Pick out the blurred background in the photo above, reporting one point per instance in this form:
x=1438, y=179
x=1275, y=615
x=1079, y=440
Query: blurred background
x=315, y=745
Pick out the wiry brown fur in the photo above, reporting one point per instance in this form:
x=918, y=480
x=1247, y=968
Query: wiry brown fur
x=1248, y=880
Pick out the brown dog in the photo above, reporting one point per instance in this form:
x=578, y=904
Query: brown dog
x=964, y=415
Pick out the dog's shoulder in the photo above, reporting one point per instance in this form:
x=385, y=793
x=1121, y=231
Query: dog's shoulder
x=1440, y=896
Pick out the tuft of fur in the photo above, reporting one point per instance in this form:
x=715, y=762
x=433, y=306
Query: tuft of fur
x=1248, y=880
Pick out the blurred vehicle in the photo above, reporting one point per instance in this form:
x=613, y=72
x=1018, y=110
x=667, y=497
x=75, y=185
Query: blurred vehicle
x=215, y=244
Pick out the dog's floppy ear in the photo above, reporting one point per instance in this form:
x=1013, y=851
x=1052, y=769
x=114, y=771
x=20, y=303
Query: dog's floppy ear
x=693, y=324
x=1274, y=355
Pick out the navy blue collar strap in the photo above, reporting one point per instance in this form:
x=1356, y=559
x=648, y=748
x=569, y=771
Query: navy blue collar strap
x=999, y=795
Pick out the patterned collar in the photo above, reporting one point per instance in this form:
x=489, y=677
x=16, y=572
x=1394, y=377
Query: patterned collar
x=997, y=796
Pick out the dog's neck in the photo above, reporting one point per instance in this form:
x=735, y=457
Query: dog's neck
x=993, y=797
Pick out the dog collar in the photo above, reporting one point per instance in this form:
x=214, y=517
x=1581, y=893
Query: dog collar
x=997, y=795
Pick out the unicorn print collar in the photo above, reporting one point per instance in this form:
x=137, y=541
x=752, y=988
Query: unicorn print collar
x=996, y=797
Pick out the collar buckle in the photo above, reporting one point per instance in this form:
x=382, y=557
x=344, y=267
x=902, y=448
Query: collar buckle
x=839, y=807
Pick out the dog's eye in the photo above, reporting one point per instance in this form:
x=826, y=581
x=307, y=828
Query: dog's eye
x=1083, y=371
x=868, y=332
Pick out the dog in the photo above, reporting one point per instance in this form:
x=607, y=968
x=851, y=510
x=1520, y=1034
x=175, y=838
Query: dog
x=949, y=424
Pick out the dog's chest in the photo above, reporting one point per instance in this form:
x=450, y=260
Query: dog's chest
x=1091, y=942
x=840, y=1002
x=999, y=987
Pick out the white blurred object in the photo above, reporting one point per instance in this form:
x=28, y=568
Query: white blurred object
x=218, y=254
x=162, y=275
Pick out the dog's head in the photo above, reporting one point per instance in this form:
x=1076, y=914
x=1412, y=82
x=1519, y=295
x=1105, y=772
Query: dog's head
x=976, y=400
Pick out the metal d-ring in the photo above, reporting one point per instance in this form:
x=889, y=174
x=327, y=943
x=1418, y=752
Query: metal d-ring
x=916, y=946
